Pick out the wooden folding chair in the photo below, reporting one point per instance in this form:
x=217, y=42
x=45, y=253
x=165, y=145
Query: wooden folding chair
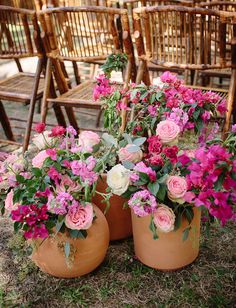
x=198, y=44
x=20, y=38
x=85, y=34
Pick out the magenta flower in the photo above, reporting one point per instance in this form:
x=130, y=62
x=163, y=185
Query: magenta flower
x=52, y=153
x=142, y=203
x=57, y=131
x=54, y=174
x=39, y=127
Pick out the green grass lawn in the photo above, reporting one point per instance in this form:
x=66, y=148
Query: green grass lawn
x=122, y=281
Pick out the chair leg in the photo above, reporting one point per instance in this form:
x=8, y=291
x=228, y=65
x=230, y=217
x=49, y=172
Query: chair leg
x=6, y=123
x=230, y=102
x=99, y=118
x=32, y=105
x=44, y=105
x=76, y=72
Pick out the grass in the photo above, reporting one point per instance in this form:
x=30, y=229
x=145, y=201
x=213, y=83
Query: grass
x=122, y=281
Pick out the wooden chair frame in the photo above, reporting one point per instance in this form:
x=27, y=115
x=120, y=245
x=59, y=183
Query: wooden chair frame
x=146, y=54
x=55, y=54
x=20, y=44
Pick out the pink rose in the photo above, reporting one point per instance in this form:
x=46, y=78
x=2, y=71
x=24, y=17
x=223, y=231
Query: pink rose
x=39, y=159
x=164, y=218
x=133, y=157
x=9, y=205
x=80, y=218
x=87, y=140
x=177, y=188
x=168, y=132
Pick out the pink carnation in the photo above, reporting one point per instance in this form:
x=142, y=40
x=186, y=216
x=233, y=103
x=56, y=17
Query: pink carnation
x=80, y=218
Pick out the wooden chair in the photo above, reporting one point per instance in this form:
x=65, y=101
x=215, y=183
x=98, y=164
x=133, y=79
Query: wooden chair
x=20, y=38
x=88, y=42
x=199, y=44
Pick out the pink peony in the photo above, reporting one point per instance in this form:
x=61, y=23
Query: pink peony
x=168, y=131
x=126, y=155
x=9, y=205
x=87, y=140
x=39, y=159
x=164, y=218
x=80, y=218
x=177, y=188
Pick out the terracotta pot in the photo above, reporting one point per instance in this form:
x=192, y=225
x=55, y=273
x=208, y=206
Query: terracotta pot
x=169, y=251
x=87, y=253
x=118, y=218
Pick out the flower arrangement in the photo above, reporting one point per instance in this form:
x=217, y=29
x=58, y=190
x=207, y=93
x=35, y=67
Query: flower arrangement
x=165, y=182
x=52, y=192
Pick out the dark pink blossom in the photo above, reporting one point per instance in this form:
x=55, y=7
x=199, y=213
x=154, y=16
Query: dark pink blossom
x=39, y=127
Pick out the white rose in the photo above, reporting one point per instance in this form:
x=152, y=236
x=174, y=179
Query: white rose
x=157, y=82
x=118, y=179
x=42, y=140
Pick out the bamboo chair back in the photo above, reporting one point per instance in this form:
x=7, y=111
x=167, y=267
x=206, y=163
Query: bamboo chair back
x=85, y=34
x=19, y=33
x=228, y=6
x=182, y=37
x=24, y=4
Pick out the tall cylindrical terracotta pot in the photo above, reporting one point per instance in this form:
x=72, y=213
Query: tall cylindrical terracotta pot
x=86, y=254
x=169, y=251
x=118, y=218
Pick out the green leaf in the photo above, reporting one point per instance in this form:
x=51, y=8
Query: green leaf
x=67, y=249
x=178, y=221
x=133, y=148
x=17, y=226
x=74, y=233
x=37, y=172
x=20, y=179
x=186, y=233
x=128, y=165
x=189, y=214
x=50, y=224
x=109, y=139
x=139, y=141
x=153, y=228
x=82, y=234
x=161, y=192
x=196, y=114
x=144, y=177
x=154, y=188
x=162, y=179
x=59, y=224
x=127, y=138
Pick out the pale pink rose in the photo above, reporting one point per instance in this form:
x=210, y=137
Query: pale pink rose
x=87, y=140
x=39, y=159
x=164, y=218
x=177, y=188
x=80, y=218
x=168, y=132
x=9, y=205
x=133, y=157
x=68, y=185
x=42, y=141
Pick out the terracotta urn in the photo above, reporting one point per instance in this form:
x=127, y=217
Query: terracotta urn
x=118, y=217
x=85, y=254
x=169, y=251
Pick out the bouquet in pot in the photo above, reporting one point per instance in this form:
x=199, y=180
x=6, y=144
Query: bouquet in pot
x=166, y=183
x=52, y=192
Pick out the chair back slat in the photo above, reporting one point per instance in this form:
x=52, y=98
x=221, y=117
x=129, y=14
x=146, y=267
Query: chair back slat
x=83, y=33
x=19, y=33
x=182, y=37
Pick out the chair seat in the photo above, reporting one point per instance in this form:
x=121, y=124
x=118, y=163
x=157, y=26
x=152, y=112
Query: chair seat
x=19, y=87
x=80, y=96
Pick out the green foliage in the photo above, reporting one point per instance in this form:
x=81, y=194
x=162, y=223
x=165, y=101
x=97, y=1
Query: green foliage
x=114, y=62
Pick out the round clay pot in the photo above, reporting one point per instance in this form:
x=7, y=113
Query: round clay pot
x=118, y=218
x=169, y=251
x=87, y=253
